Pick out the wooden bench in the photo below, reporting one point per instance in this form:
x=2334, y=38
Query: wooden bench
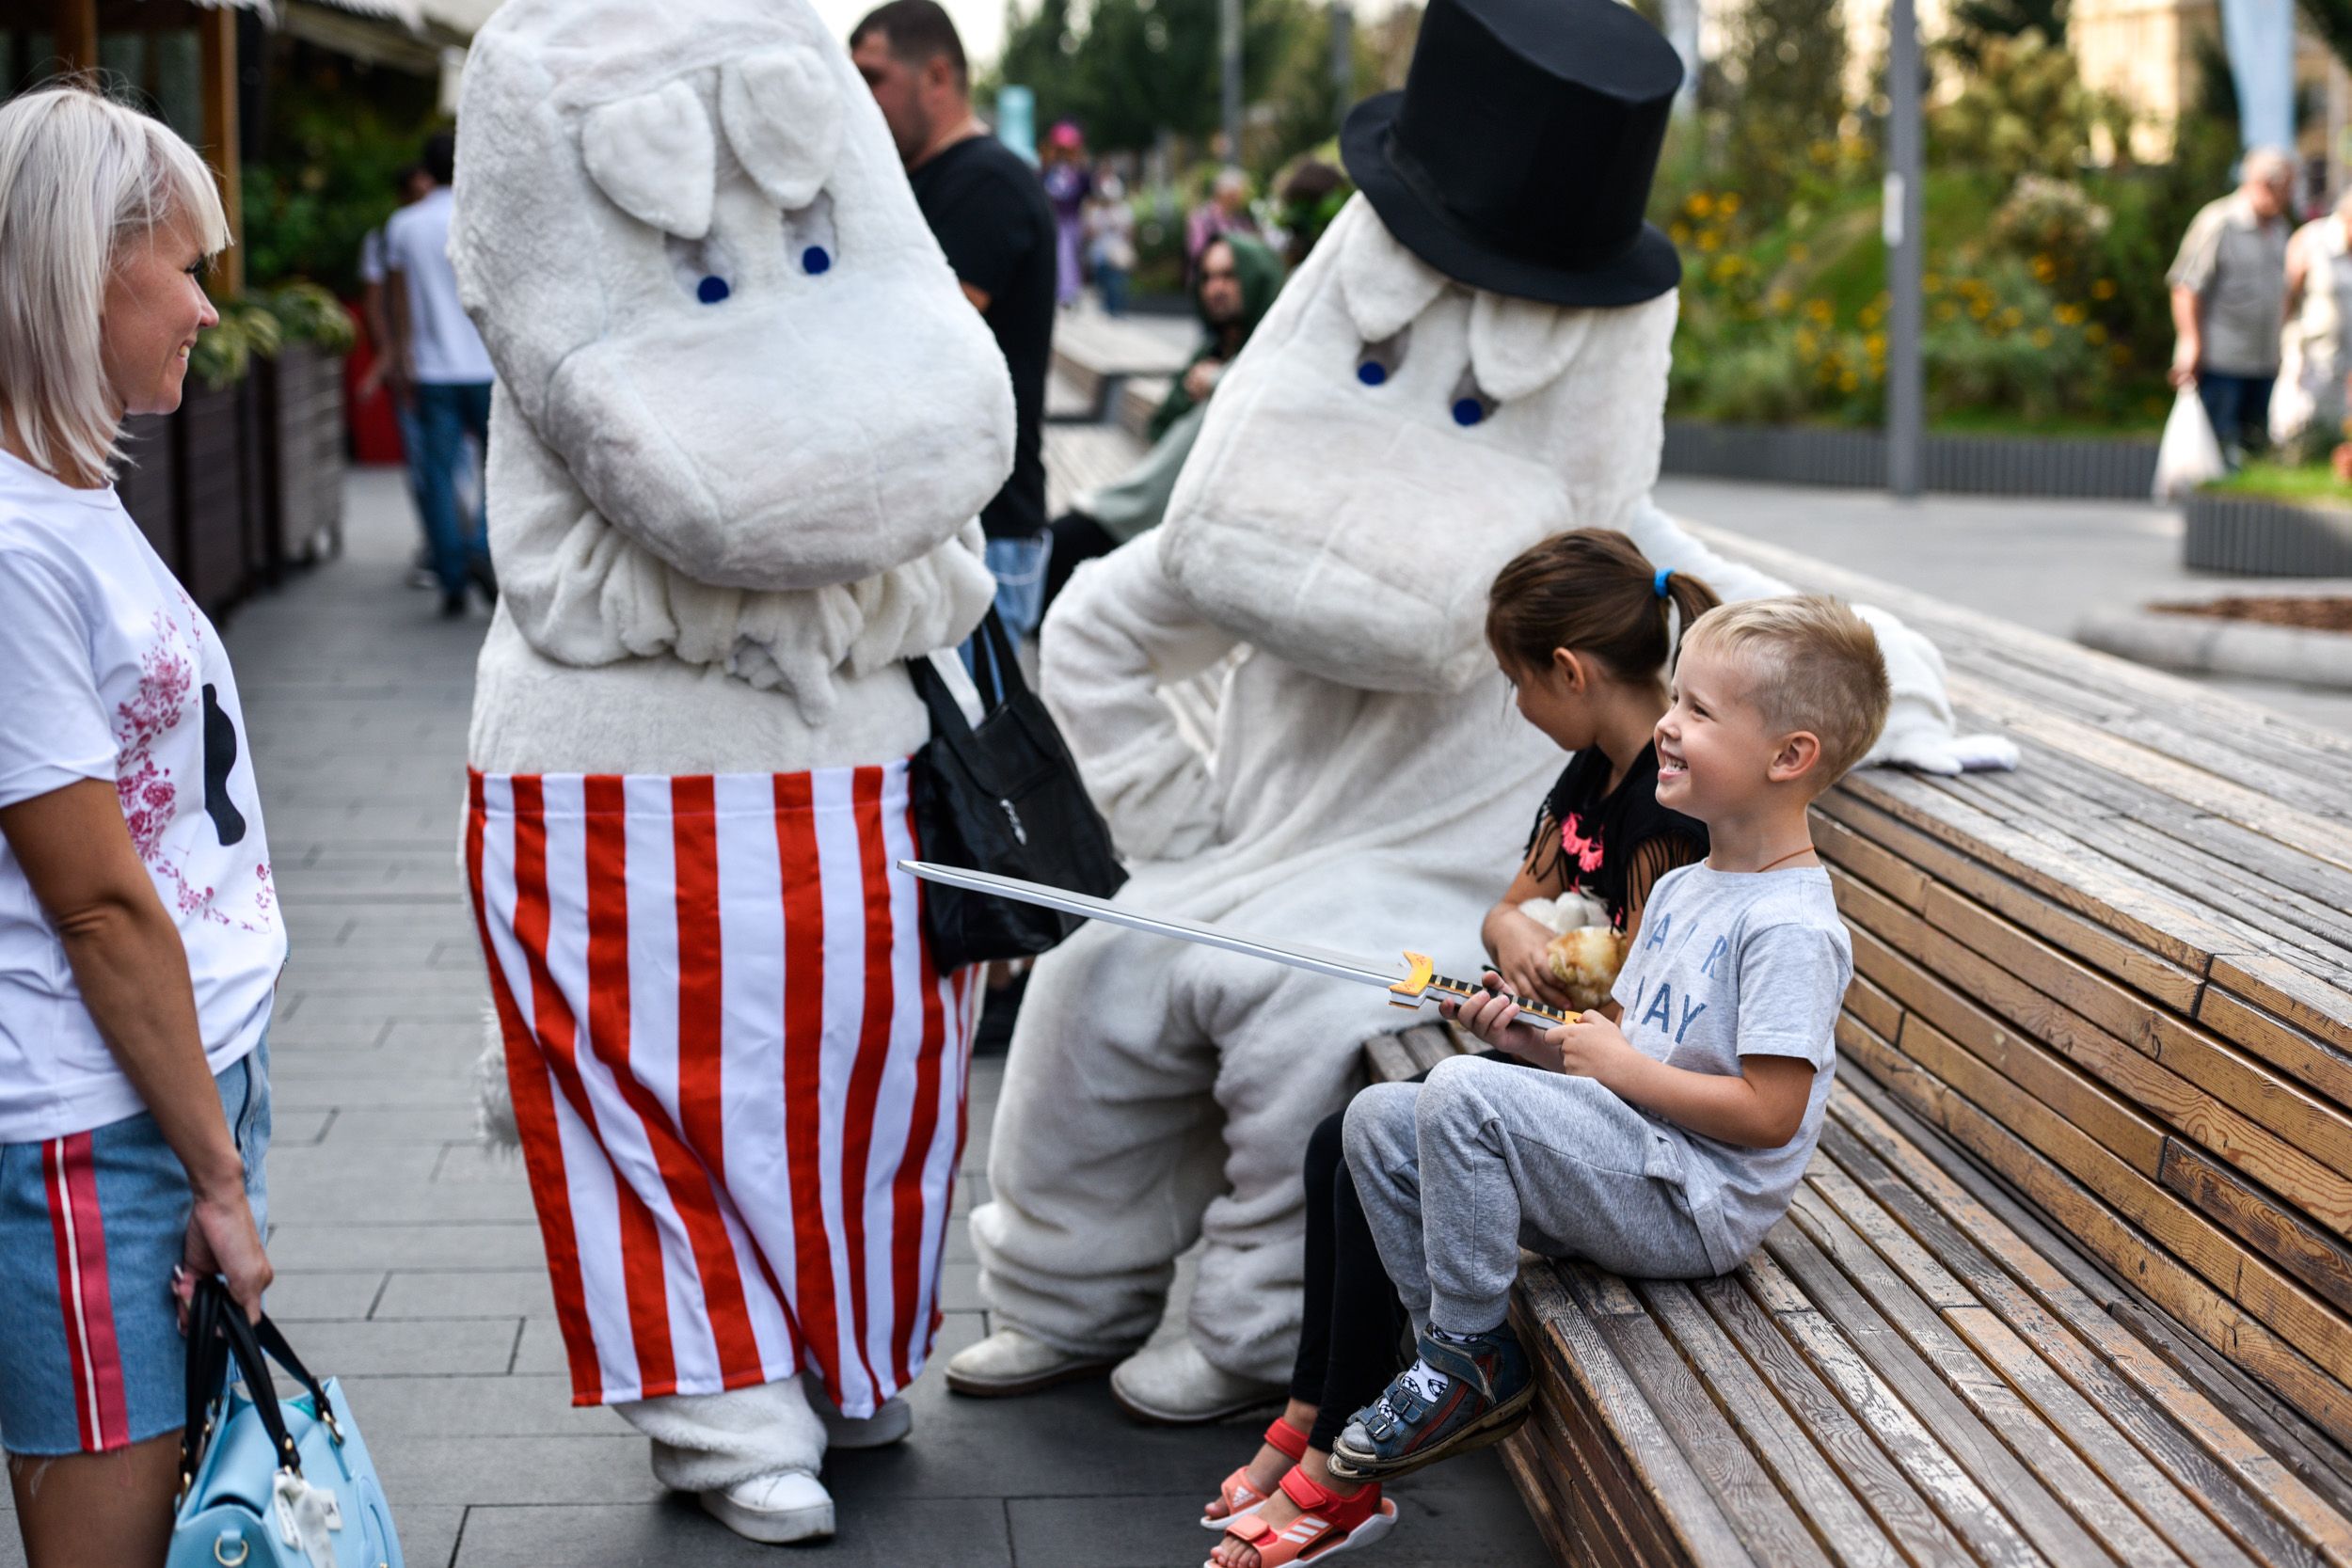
x=2068, y=1280
x=1094, y=352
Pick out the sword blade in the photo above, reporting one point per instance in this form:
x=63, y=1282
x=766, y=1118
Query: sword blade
x=1319, y=960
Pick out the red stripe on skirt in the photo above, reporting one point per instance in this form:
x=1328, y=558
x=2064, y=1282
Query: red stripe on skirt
x=534, y=1119
x=69, y=1259
x=605, y=825
x=804, y=1066
x=693, y=1156
x=98, y=1309
x=876, y=1025
x=909, y=1225
x=558, y=1036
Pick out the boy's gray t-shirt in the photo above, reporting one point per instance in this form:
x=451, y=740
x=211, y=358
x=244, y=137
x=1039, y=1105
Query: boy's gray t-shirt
x=1731, y=964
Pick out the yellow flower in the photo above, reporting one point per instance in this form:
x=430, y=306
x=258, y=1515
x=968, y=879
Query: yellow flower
x=1875, y=343
x=1818, y=309
x=2012, y=317
x=1947, y=310
x=1848, y=382
x=2069, y=315
x=1679, y=232
x=1981, y=309
x=1778, y=301
x=1710, y=240
x=1932, y=283
x=1729, y=202
x=2094, y=334
x=1808, y=345
x=2044, y=268
x=1700, y=204
x=2104, y=289
x=2042, y=337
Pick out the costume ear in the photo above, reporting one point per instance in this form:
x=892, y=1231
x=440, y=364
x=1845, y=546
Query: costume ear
x=1384, y=284
x=1519, y=346
x=783, y=115
x=656, y=157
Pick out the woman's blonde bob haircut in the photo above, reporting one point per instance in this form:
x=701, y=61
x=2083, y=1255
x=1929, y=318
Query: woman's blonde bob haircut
x=82, y=178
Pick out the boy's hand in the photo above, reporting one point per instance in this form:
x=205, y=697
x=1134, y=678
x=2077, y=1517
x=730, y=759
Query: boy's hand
x=1591, y=1047
x=1520, y=946
x=1494, y=1019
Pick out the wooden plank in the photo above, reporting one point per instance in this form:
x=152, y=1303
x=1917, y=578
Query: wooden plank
x=216, y=42
x=1787, y=1447
x=1893, y=876
x=1749, y=1498
x=1873, y=1006
x=2278, y=1233
x=2166, y=1433
x=1536, y=1472
x=2106, y=1480
x=1407, y=1052
x=1894, y=1418
x=2168, y=1283
x=1897, y=1507
x=2303, y=1002
x=2185, y=1409
x=1602, y=1387
x=2173, y=983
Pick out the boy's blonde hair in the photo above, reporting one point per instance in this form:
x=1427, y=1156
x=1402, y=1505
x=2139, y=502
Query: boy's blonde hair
x=1813, y=665
x=82, y=176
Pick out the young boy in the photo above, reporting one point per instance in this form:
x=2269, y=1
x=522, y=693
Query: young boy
x=1666, y=1148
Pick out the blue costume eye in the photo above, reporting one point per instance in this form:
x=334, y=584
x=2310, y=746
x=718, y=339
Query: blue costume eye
x=1378, y=361
x=1372, y=372
x=1469, y=411
x=711, y=290
x=815, y=261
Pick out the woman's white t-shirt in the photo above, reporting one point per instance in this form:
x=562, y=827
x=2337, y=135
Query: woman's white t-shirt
x=108, y=671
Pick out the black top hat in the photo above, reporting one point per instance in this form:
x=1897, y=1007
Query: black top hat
x=1519, y=157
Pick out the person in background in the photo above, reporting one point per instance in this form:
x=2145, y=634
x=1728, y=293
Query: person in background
x=1231, y=290
x=1067, y=186
x=990, y=215
x=2228, y=300
x=2307, y=407
x=1110, y=226
x=140, y=938
x=1309, y=196
x=409, y=186
x=1225, y=212
x=436, y=352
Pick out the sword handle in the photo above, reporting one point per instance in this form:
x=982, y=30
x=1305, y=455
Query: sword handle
x=1414, y=990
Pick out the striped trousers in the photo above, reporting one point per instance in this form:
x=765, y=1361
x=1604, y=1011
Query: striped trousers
x=737, y=1076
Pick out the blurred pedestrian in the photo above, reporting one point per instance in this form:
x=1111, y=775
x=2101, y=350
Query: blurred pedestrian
x=437, y=352
x=1067, y=184
x=2229, y=301
x=1308, y=198
x=139, y=932
x=1234, y=287
x=1225, y=212
x=1110, y=226
x=409, y=186
x=991, y=216
x=2308, y=405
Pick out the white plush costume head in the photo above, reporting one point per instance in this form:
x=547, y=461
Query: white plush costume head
x=729, y=340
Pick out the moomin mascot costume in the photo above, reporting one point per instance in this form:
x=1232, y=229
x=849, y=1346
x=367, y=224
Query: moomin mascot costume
x=743, y=423
x=1473, y=357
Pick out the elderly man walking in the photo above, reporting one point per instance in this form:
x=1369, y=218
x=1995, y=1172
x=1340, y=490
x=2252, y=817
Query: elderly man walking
x=2229, y=301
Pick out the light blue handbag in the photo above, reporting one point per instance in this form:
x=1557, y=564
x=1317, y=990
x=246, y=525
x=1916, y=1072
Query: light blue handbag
x=267, y=1482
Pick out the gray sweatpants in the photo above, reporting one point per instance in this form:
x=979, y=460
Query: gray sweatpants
x=1457, y=1174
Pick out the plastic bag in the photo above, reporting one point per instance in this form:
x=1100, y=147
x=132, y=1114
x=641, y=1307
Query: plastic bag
x=2188, y=455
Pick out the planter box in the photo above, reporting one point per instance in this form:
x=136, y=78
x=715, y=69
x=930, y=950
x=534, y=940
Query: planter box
x=2266, y=538
x=150, y=482
x=301, y=395
x=218, y=509
x=2087, y=469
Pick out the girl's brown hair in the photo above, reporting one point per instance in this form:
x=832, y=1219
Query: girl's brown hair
x=1591, y=590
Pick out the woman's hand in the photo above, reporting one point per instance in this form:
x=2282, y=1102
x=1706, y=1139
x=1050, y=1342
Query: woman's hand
x=1494, y=1019
x=1518, y=943
x=222, y=1241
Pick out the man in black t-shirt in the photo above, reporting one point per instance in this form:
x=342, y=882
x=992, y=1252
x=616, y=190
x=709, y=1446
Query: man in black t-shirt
x=991, y=216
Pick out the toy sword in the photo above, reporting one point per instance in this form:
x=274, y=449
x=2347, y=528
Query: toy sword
x=1410, y=983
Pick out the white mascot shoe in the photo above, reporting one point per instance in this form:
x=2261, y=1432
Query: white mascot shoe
x=889, y=1423
x=1174, y=1384
x=790, y=1505
x=1009, y=1363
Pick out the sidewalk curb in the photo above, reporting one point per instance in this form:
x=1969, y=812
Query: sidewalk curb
x=2206, y=645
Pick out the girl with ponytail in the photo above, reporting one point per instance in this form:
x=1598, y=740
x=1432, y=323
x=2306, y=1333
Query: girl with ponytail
x=1586, y=629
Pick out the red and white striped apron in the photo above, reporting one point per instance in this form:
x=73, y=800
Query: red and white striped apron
x=739, y=1078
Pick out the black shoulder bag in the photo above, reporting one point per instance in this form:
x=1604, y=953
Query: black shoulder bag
x=1005, y=797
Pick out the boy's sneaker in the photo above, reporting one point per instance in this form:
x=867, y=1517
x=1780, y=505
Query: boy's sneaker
x=1490, y=1389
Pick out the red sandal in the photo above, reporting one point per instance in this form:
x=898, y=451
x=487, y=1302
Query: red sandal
x=1239, y=1495
x=1330, y=1525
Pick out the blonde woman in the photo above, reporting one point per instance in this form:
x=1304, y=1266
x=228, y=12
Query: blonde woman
x=2313, y=365
x=139, y=934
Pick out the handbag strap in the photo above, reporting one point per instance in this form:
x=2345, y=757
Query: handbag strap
x=994, y=669
x=207, y=1371
x=245, y=1348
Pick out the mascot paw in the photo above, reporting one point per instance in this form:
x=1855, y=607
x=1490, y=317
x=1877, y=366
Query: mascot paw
x=1941, y=752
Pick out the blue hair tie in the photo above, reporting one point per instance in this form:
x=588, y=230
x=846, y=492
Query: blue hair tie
x=1658, y=583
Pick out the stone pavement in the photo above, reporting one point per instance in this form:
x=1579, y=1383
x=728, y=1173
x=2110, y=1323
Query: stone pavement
x=408, y=1261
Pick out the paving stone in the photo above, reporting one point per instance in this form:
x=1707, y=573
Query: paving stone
x=507, y=1293
x=363, y=1123
x=510, y=1246
x=589, y=1469
x=965, y=1532
x=387, y=1349
x=427, y=1409
x=317, y=1297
